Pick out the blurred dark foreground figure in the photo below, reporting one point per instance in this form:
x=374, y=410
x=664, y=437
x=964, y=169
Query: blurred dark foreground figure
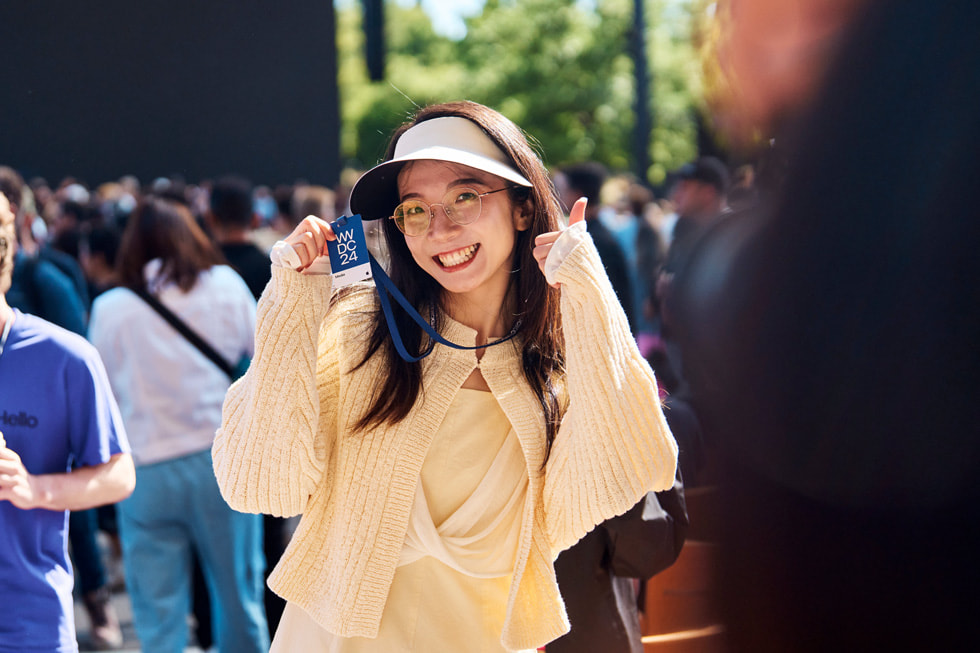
x=831, y=341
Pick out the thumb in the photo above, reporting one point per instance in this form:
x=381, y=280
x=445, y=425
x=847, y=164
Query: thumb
x=577, y=214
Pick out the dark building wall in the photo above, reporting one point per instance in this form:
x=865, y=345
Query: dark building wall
x=153, y=88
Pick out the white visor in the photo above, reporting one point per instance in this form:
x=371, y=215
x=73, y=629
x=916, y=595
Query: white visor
x=452, y=139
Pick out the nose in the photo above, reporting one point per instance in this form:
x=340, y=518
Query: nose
x=440, y=226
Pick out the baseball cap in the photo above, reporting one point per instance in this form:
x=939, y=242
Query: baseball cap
x=706, y=169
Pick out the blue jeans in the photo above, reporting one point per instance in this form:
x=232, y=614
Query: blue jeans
x=176, y=506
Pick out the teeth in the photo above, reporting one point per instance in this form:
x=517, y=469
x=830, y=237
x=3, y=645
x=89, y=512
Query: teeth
x=458, y=257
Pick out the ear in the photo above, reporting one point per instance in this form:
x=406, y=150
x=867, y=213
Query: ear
x=523, y=215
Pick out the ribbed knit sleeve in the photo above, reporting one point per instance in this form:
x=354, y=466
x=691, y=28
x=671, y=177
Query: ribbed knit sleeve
x=613, y=445
x=277, y=426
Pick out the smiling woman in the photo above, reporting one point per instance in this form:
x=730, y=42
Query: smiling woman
x=436, y=493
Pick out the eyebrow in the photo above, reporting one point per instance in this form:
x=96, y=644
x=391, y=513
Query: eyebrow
x=461, y=181
x=468, y=180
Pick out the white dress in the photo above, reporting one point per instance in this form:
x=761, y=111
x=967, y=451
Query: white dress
x=452, y=583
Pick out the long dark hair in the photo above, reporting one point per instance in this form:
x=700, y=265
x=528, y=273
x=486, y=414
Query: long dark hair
x=166, y=230
x=534, y=302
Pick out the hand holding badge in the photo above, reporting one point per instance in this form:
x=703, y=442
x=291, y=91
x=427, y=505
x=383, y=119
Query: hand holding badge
x=318, y=247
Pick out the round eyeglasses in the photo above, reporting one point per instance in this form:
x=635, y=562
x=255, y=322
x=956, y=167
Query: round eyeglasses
x=462, y=206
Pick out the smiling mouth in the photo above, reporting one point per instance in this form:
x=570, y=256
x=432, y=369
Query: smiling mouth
x=458, y=257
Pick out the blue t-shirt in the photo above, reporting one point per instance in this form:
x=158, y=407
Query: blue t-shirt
x=56, y=412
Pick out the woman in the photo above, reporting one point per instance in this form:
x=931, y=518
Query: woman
x=170, y=397
x=435, y=495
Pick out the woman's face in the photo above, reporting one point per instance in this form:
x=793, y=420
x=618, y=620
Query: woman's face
x=475, y=259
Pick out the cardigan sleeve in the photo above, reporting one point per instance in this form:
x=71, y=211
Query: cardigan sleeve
x=613, y=445
x=278, y=420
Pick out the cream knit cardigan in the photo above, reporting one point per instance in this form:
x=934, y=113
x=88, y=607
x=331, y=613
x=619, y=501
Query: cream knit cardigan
x=286, y=445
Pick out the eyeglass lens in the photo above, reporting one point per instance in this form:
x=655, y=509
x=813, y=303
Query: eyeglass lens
x=462, y=206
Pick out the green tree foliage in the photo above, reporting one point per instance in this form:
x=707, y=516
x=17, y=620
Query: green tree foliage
x=419, y=68
x=676, y=95
x=558, y=68
x=549, y=65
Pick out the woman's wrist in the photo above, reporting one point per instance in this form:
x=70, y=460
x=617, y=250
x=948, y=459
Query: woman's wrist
x=570, y=238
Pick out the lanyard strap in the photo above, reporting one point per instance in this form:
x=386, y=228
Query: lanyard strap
x=387, y=287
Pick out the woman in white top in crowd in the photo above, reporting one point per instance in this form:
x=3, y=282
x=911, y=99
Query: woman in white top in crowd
x=170, y=397
x=436, y=494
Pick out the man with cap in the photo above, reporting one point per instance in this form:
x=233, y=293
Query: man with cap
x=698, y=196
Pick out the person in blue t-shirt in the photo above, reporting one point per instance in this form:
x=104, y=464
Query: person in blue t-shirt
x=62, y=447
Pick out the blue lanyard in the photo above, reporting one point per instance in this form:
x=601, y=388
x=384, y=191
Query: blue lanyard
x=387, y=287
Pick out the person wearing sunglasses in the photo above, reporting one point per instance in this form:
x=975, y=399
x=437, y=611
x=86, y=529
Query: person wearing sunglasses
x=438, y=479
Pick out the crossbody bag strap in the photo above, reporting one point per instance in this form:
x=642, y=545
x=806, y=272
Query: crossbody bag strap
x=187, y=332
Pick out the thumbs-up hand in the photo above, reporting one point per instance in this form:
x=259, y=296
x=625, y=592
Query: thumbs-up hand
x=544, y=242
x=577, y=214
